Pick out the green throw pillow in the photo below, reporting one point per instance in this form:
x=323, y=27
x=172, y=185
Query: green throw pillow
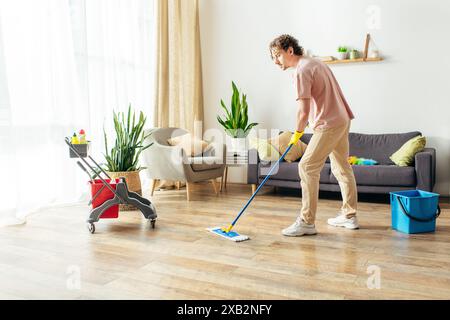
x=266, y=151
x=404, y=156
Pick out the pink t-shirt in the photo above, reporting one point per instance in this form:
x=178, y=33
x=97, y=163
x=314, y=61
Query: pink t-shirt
x=313, y=79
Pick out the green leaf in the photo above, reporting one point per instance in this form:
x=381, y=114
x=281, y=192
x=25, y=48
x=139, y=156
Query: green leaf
x=225, y=108
x=235, y=122
x=129, y=142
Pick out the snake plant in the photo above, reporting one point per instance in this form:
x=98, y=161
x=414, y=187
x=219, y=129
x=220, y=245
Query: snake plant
x=129, y=142
x=235, y=122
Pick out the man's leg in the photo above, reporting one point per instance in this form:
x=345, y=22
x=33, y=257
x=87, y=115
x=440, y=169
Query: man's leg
x=319, y=148
x=343, y=172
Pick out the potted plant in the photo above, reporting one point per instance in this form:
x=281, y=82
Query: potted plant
x=342, y=53
x=354, y=54
x=122, y=160
x=235, y=121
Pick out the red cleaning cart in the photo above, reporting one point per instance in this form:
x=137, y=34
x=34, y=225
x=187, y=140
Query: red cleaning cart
x=107, y=193
x=100, y=194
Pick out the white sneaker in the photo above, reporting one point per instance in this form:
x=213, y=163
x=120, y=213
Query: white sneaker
x=342, y=221
x=299, y=228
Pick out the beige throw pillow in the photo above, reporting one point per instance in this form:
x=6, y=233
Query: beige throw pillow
x=266, y=151
x=193, y=146
x=281, y=143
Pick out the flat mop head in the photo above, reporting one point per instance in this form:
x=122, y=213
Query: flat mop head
x=233, y=236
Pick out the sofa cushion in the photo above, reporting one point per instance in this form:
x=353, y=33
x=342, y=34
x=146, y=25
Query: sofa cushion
x=404, y=156
x=281, y=143
x=289, y=171
x=382, y=175
x=266, y=151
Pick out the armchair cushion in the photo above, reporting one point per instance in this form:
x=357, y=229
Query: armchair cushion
x=205, y=163
x=192, y=145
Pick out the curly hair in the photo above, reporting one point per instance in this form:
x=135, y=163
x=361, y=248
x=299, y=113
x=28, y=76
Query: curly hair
x=284, y=42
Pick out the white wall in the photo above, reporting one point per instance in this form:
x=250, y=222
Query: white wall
x=408, y=91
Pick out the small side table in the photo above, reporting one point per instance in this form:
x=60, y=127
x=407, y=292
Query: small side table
x=233, y=159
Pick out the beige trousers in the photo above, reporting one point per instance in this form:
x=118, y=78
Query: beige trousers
x=332, y=142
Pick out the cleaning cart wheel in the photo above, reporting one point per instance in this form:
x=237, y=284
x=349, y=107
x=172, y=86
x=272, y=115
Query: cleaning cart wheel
x=153, y=222
x=91, y=227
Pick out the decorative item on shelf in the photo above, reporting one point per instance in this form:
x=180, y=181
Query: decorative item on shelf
x=354, y=54
x=324, y=58
x=342, y=53
x=374, y=54
x=235, y=122
x=122, y=159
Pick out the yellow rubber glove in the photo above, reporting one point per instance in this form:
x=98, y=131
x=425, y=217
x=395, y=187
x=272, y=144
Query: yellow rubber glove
x=295, y=137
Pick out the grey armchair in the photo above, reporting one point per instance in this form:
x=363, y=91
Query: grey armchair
x=166, y=162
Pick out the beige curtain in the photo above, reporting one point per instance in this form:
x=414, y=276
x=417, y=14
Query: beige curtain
x=179, y=90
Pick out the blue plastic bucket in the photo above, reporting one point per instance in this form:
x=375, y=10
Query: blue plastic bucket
x=414, y=211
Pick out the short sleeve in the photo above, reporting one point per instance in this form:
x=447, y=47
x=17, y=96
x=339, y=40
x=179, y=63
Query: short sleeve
x=304, y=81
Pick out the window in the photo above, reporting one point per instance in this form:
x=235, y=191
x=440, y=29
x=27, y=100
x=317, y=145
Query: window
x=65, y=65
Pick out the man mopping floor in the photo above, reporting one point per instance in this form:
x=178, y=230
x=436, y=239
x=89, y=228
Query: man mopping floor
x=322, y=105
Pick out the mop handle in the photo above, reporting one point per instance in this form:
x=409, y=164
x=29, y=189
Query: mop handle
x=259, y=187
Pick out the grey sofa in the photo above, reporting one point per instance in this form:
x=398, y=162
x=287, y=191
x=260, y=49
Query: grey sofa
x=381, y=178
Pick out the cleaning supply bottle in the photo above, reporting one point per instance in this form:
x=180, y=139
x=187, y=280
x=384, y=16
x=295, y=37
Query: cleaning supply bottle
x=82, y=137
x=74, y=139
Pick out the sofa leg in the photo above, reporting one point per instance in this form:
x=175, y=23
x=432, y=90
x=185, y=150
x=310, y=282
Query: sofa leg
x=253, y=188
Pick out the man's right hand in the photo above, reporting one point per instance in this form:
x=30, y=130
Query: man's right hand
x=295, y=137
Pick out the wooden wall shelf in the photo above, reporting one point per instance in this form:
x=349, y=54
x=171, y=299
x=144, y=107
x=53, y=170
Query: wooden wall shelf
x=353, y=60
x=364, y=56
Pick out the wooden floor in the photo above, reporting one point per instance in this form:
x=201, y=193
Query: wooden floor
x=125, y=259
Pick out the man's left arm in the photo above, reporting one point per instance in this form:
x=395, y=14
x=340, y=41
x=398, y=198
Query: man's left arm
x=303, y=113
x=304, y=80
x=302, y=119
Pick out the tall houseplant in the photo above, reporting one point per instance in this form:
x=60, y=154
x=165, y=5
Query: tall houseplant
x=235, y=122
x=122, y=160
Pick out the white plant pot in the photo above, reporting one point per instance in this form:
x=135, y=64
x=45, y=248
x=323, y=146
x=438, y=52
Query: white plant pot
x=238, y=144
x=342, y=55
